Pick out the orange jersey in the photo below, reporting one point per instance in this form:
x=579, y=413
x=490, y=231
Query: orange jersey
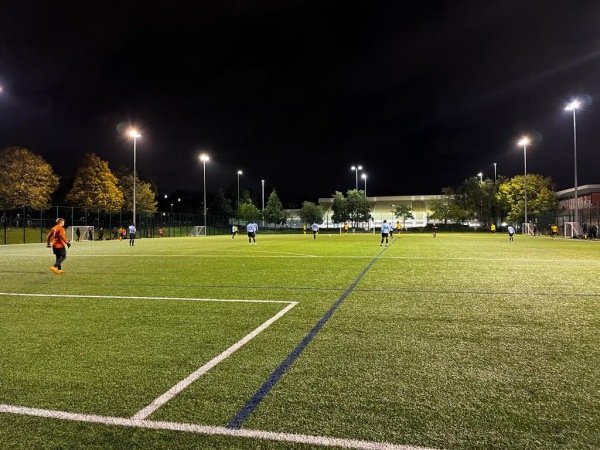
x=57, y=237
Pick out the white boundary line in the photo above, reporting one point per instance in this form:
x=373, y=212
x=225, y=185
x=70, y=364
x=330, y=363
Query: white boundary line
x=191, y=299
x=164, y=398
x=208, y=430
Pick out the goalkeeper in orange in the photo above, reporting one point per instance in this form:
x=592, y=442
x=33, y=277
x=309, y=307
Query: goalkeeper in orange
x=57, y=239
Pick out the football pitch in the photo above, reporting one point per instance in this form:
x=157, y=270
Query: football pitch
x=465, y=341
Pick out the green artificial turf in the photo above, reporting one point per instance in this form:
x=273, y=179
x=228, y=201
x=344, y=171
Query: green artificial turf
x=465, y=341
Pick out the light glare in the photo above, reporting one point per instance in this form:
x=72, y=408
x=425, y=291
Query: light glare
x=524, y=141
x=574, y=105
x=134, y=134
x=204, y=157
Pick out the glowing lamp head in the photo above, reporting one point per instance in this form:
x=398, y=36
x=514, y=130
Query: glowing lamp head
x=573, y=106
x=364, y=176
x=239, y=172
x=204, y=157
x=480, y=174
x=134, y=134
x=524, y=141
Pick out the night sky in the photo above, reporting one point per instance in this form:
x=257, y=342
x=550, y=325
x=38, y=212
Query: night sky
x=422, y=94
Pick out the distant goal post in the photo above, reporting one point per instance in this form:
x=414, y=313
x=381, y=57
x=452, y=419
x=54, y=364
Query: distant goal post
x=573, y=230
x=198, y=230
x=84, y=233
x=529, y=228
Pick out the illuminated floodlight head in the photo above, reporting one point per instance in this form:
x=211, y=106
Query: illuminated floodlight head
x=573, y=106
x=480, y=174
x=204, y=157
x=364, y=176
x=240, y=172
x=134, y=133
x=1, y=89
x=524, y=141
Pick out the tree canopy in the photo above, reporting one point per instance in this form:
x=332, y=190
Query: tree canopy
x=273, y=212
x=310, y=213
x=355, y=207
x=541, y=198
x=95, y=186
x=26, y=179
x=145, y=198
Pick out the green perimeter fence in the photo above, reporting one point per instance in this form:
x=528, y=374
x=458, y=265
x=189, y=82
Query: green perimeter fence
x=30, y=226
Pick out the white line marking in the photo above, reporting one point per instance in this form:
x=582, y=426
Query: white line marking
x=209, y=430
x=164, y=398
x=15, y=294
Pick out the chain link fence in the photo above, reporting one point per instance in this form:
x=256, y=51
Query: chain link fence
x=26, y=226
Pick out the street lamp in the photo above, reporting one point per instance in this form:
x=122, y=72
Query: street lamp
x=356, y=169
x=480, y=175
x=238, y=202
x=364, y=177
x=135, y=135
x=574, y=106
x=204, y=157
x=525, y=142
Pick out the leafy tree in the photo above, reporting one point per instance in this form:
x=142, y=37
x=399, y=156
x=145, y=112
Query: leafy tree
x=222, y=205
x=26, y=179
x=310, y=213
x=541, y=197
x=273, y=212
x=95, y=186
x=248, y=212
x=444, y=207
x=404, y=212
x=340, y=208
x=355, y=207
x=145, y=197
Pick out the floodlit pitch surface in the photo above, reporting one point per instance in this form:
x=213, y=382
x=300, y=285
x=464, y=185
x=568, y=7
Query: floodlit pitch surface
x=466, y=341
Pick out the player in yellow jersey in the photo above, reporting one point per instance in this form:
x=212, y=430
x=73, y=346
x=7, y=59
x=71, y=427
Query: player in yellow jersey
x=553, y=231
x=304, y=229
x=398, y=227
x=493, y=229
x=346, y=229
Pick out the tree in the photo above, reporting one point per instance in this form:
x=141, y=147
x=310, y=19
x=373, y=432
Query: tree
x=310, y=213
x=541, y=198
x=339, y=208
x=273, y=212
x=355, y=207
x=248, y=212
x=95, y=186
x=404, y=212
x=26, y=179
x=145, y=197
x=443, y=206
x=222, y=205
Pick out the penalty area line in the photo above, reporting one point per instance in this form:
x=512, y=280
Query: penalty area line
x=183, y=384
x=324, y=441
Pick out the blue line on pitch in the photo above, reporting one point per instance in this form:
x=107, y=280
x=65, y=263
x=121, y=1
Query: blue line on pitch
x=243, y=414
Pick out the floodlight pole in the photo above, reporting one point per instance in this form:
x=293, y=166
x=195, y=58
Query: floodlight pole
x=356, y=169
x=204, y=158
x=575, y=163
x=135, y=135
x=525, y=165
x=574, y=106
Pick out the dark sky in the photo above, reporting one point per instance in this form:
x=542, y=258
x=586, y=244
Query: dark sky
x=422, y=94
